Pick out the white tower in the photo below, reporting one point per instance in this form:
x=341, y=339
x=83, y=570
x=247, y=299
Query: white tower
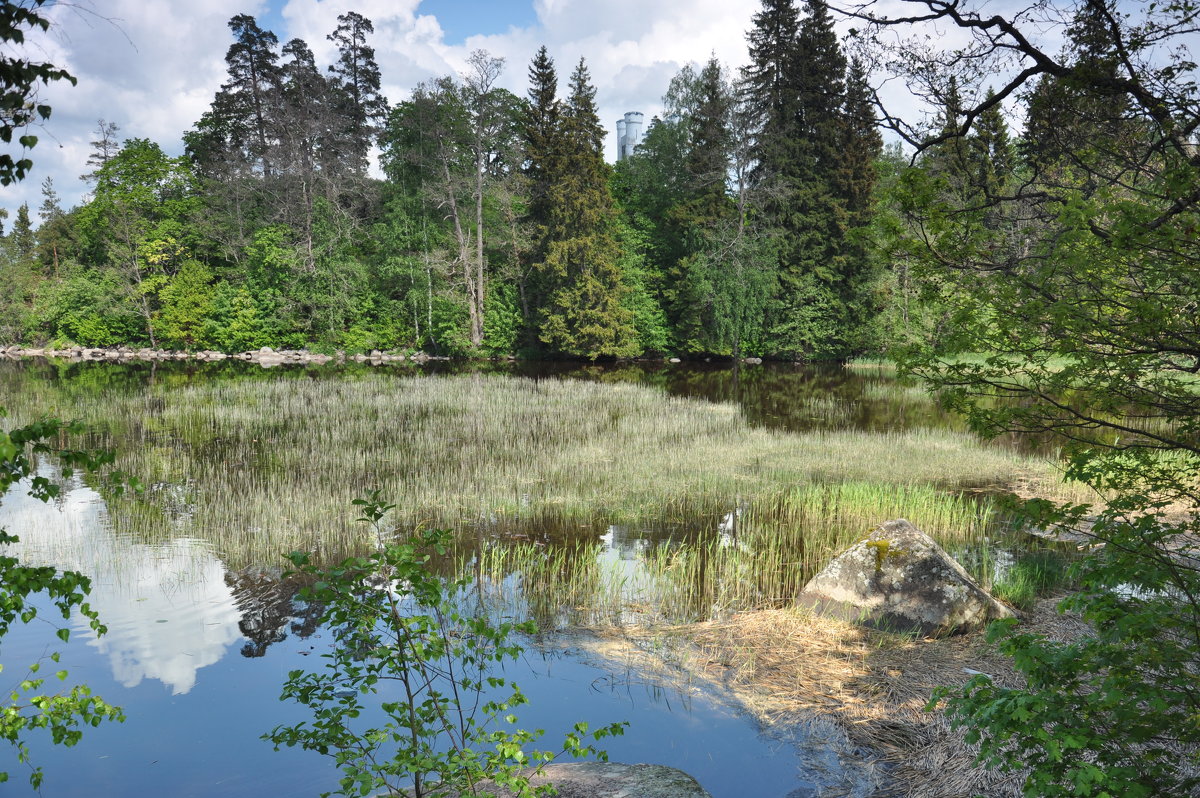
x=629, y=134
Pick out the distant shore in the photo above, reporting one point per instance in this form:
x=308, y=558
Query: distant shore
x=266, y=356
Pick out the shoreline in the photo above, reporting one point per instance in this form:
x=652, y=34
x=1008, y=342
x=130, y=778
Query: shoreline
x=267, y=356
x=788, y=668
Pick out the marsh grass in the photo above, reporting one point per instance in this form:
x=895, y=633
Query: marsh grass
x=882, y=365
x=1034, y=574
x=742, y=514
x=754, y=558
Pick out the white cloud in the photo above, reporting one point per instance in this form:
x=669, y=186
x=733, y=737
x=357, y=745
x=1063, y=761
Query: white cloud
x=150, y=67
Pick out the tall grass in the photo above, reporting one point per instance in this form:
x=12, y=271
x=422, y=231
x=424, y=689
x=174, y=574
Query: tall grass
x=758, y=557
x=261, y=466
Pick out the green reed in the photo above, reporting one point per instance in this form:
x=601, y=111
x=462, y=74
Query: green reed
x=753, y=558
x=257, y=466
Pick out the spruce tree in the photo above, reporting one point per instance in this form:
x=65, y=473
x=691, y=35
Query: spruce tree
x=56, y=230
x=22, y=233
x=541, y=134
x=991, y=151
x=703, y=221
x=808, y=316
x=583, y=314
x=769, y=87
x=1077, y=120
x=856, y=180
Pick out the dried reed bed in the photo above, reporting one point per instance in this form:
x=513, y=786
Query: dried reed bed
x=786, y=665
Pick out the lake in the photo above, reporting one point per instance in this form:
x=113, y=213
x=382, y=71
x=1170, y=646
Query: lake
x=581, y=497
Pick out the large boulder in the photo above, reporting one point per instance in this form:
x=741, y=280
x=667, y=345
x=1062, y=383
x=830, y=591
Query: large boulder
x=611, y=780
x=898, y=579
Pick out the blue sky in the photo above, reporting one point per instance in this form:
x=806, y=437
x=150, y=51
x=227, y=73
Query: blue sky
x=460, y=19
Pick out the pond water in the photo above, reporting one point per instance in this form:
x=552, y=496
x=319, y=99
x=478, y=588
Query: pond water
x=203, y=628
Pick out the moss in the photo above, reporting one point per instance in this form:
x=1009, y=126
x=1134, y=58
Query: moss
x=882, y=547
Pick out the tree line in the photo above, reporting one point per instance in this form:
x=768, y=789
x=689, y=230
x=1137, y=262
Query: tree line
x=760, y=215
x=497, y=227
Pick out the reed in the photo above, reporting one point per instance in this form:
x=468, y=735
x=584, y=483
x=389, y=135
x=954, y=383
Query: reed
x=1033, y=574
x=257, y=466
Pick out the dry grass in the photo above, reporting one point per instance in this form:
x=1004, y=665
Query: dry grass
x=786, y=665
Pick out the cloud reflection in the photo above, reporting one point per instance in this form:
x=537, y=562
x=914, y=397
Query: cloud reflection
x=167, y=607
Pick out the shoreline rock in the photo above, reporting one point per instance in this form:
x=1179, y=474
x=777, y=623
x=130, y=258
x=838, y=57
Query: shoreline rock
x=266, y=357
x=898, y=579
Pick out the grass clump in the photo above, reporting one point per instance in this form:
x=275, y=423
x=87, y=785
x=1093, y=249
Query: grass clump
x=258, y=466
x=1033, y=575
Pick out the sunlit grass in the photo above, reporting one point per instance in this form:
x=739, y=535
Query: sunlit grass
x=880, y=364
x=258, y=467
x=1032, y=575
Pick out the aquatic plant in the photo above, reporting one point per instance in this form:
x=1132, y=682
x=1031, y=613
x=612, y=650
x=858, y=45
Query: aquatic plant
x=261, y=465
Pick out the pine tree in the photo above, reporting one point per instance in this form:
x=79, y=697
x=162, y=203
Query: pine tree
x=583, y=314
x=50, y=208
x=308, y=148
x=245, y=104
x=104, y=147
x=487, y=118
x=356, y=76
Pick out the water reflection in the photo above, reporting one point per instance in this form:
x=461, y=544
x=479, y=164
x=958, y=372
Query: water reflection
x=175, y=616
x=168, y=609
x=271, y=609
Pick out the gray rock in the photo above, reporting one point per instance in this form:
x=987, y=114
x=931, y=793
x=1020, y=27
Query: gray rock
x=612, y=780
x=898, y=579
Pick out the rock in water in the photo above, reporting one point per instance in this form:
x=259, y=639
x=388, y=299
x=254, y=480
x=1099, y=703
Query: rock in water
x=898, y=579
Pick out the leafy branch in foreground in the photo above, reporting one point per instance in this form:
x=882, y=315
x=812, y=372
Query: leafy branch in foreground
x=404, y=643
x=1069, y=291
x=28, y=705
x=20, y=80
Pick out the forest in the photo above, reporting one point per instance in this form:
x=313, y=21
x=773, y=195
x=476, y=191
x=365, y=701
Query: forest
x=752, y=221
